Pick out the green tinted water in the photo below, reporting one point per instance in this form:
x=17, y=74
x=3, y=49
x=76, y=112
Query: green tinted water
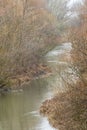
x=20, y=111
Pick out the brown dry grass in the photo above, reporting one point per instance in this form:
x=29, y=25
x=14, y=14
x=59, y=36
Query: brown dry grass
x=67, y=111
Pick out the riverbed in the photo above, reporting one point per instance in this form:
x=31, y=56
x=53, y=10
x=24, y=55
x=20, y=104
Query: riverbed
x=20, y=110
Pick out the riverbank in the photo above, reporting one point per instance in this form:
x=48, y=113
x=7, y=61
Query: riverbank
x=19, y=81
x=19, y=109
x=67, y=110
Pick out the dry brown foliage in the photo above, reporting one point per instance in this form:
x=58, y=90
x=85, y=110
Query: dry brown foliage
x=78, y=37
x=26, y=30
x=68, y=110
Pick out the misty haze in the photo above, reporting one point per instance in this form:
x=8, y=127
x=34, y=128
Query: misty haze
x=43, y=65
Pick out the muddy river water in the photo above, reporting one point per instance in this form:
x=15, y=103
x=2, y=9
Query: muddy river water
x=20, y=111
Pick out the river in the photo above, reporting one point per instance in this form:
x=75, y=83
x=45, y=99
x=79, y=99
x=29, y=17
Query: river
x=20, y=110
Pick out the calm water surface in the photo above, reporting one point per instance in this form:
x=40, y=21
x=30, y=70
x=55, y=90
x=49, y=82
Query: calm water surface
x=19, y=111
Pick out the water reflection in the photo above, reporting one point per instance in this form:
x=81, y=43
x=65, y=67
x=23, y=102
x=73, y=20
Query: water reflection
x=19, y=111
